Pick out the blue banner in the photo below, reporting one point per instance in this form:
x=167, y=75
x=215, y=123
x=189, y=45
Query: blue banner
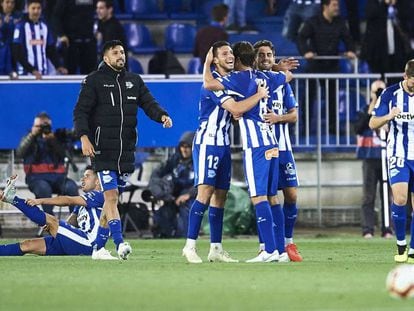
x=22, y=100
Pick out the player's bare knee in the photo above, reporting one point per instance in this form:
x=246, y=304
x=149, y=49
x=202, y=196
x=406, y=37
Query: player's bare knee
x=204, y=193
x=273, y=200
x=111, y=196
x=400, y=199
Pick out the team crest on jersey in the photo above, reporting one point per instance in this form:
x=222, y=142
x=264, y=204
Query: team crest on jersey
x=129, y=85
x=271, y=153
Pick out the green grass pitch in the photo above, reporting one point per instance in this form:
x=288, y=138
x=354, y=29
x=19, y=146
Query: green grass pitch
x=342, y=272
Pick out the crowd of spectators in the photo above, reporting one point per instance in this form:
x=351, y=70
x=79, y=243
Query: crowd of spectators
x=73, y=31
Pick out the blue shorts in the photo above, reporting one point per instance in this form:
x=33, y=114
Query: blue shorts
x=69, y=241
x=110, y=180
x=212, y=166
x=261, y=169
x=287, y=170
x=401, y=170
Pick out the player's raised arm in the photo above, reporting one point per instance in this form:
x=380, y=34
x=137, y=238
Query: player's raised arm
x=240, y=107
x=209, y=82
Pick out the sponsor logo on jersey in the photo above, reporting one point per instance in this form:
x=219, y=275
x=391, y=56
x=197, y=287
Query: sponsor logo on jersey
x=271, y=153
x=405, y=117
x=129, y=84
x=109, y=85
x=36, y=42
x=132, y=97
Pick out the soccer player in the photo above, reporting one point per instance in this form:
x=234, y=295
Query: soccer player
x=284, y=111
x=105, y=119
x=260, y=150
x=212, y=155
x=395, y=107
x=71, y=237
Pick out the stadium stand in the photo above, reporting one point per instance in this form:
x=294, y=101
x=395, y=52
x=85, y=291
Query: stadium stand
x=139, y=39
x=179, y=37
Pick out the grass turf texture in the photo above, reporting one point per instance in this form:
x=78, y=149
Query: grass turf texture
x=344, y=272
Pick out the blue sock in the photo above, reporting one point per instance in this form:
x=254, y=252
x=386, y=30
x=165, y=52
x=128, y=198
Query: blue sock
x=279, y=227
x=265, y=223
x=259, y=234
x=412, y=231
x=32, y=212
x=291, y=212
x=101, y=238
x=115, y=228
x=195, y=216
x=215, y=218
x=399, y=217
x=11, y=250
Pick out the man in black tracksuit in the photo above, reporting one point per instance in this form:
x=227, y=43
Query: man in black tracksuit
x=105, y=118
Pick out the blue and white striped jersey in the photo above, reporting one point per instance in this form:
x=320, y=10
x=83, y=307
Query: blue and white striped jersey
x=88, y=216
x=243, y=84
x=34, y=37
x=214, y=121
x=283, y=100
x=400, y=141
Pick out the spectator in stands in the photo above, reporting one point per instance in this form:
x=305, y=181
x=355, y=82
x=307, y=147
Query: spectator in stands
x=9, y=17
x=320, y=36
x=44, y=162
x=237, y=11
x=179, y=171
x=206, y=36
x=73, y=23
x=369, y=150
x=385, y=47
x=109, y=28
x=26, y=51
x=352, y=13
x=297, y=12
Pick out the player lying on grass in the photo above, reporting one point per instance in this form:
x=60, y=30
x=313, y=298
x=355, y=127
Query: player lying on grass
x=72, y=237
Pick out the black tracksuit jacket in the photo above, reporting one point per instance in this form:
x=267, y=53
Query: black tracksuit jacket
x=106, y=111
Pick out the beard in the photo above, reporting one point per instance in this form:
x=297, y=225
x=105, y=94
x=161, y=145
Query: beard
x=118, y=65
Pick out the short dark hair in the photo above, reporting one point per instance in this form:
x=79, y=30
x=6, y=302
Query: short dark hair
x=219, y=12
x=218, y=44
x=409, y=68
x=110, y=45
x=89, y=167
x=29, y=2
x=261, y=43
x=244, y=51
x=326, y=2
x=43, y=115
x=108, y=3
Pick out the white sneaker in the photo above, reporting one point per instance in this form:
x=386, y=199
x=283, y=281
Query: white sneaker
x=102, y=254
x=284, y=257
x=124, y=249
x=265, y=257
x=190, y=253
x=219, y=255
x=9, y=192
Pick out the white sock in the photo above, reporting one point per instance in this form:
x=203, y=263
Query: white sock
x=288, y=241
x=261, y=247
x=217, y=246
x=402, y=243
x=190, y=243
x=411, y=251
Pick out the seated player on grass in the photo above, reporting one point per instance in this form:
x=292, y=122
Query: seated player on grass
x=72, y=237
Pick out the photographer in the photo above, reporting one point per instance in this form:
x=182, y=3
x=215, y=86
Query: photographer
x=173, y=183
x=369, y=150
x=44, y=162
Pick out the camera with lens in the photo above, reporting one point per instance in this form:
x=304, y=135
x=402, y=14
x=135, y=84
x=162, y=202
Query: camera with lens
x=45, y=128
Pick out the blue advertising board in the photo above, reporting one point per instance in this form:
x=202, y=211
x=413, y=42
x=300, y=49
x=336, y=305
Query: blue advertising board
x=20, y=101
